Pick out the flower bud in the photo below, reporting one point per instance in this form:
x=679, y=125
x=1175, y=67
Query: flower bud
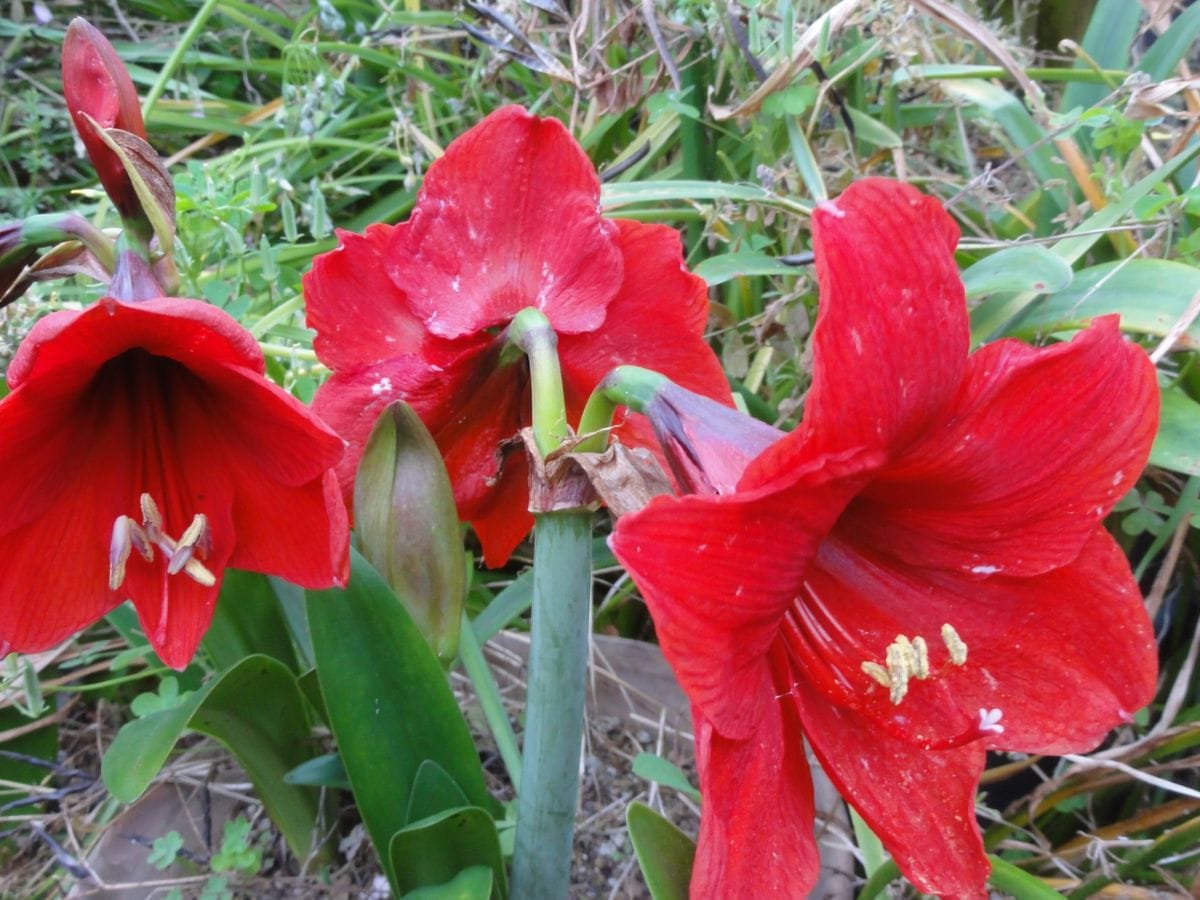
x=707, y=444
x=97, y=85
x=407, y=525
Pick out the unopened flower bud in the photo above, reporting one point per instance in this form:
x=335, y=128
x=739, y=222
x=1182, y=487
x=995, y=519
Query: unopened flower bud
x=407, y=524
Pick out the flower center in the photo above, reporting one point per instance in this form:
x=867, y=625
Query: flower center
x=182, y=555
x=905, y=659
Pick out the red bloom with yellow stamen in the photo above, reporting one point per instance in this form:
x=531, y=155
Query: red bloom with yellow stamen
x=143, y=452
x=508, y=218
x=916, y=575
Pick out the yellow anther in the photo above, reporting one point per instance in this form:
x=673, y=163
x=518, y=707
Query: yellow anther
x=898, y=671
x=878, y=673
x=151, y=517
x=196, y=532
x=199, y=573
x=921, y=651
x=904, y=659
x=954, y=644
x=181, y=555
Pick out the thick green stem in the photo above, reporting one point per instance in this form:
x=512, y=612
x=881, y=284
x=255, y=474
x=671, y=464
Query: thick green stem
x=530, y=330
x=562, y=574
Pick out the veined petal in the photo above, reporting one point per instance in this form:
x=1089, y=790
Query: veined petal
x=1036, y=448
x=1064, y=657
x=73, y=344
x=655, y=321
x=921, y=803
x=508, y=218
x=890, y=343
x=504, y=519
x=359, y=314
x=756, y=834
x=718, y=574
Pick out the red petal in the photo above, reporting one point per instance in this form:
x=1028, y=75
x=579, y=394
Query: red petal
x=890, y=344
x=358, y=312
x=1065, y=656
x=718, y=574
x=1031, y=456
x=756, y=830
x=656, y=321
x=299, y=533
x=197, y=334
x=921, y=803
x=508, y=218
x=505, y=520
x=59, y=496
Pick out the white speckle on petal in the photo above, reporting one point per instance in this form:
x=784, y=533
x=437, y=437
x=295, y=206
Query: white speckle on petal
x=382, y=386
x=857, y=338
x=989, y=720
x=985, y=570
x=832, y=208
x=455, y=284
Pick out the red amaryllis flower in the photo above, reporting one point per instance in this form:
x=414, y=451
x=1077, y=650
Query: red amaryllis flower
x=144, y=452
x=914, y=576
x=507, y=219
x=97, y=84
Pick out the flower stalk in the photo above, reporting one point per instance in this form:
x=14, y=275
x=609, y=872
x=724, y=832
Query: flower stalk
x=558, y=653
x=531, y=331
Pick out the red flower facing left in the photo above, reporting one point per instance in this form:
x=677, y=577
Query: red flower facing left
x=143, y=452
x=507, y=219
x=916, y=575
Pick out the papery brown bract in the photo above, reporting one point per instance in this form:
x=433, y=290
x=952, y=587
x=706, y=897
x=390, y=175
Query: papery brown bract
x=508, y=218
x=924, y=487
x=164, y=398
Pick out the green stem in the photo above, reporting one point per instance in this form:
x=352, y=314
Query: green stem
x=530, y=330
x=630, y=386
x=554, y=705
x=46, y=229
x=477, y=670
x=181, y=47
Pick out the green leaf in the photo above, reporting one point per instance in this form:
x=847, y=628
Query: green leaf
x=255, y=709
x=1020, y=268
x=1149, y=294
x=993, y=317
x=433, y=791
x=388, y=702
x=664, y=852
x=248, y=620
x=618, y=194
x=474, y=883
x=1172, y=45
x=320, y=771
x=1177, y=445
x=655, y=768
x=1109, y=35
x=164, y=850
x=433, y=850
x=1010, y=114
x=873, y=132
x=727, y=266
